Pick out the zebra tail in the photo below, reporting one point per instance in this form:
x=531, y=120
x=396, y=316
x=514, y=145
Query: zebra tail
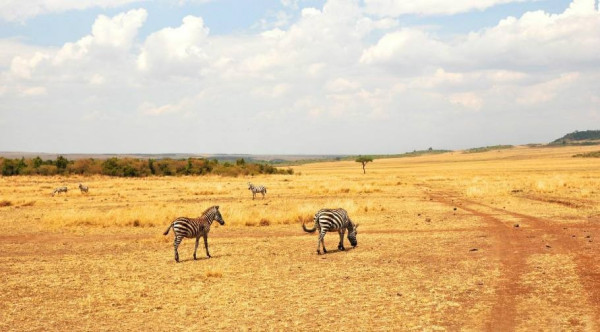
x=168, y=229
x=309, y=230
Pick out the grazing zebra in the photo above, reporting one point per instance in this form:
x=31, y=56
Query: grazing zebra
x=194, y=227
x=257, y=189
x=84, y=189
x=59, y=190
x=333, y=220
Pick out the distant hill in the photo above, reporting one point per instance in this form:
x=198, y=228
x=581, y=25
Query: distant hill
x=587, y=137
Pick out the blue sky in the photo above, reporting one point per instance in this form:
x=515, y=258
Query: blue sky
x=294, y=76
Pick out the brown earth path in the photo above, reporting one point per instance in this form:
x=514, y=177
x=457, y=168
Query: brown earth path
x=514, y=244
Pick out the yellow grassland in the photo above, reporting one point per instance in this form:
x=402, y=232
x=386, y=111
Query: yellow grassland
x=499, y=240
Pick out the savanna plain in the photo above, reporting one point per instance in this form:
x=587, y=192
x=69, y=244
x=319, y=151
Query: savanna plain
x=500, y=240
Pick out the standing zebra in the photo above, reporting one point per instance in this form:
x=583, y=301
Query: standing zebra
x=257, y=189
x=59, y=190
x=333, y=220
x=194, y=227
x=84, y=189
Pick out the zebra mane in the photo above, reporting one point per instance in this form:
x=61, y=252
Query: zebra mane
x=350, y=225
x=210, y=211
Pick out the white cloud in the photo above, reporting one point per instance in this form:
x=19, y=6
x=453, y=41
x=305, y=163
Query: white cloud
x=176, y=50
x=536, y=39
x=546, y=91
x=113, y=33
x=469, y=100
x=20, y=11
x=407, y=47
x=23, y=67
x=429, y=7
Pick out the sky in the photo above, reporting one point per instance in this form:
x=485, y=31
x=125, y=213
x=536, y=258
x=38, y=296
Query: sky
x=295, y=76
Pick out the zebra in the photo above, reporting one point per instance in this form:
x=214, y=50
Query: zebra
x=59, y=190
x=257, y=189
x=194, y=227
x=333, y=220
x=84, y=189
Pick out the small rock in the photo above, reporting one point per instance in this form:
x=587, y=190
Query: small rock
x=517, y=225
x=454, y=209
x=399, y=294
x=548, y=246
x=473, y=249
x=589, y=236
x=428, y=219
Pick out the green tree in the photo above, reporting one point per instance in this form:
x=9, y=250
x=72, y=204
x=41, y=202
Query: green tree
x=61, y=163
x=151, y=166
x=364, y=160
x=37, y=162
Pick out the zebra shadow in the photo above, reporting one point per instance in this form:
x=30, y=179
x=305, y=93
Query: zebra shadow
x=204, y=258
x=334, y=251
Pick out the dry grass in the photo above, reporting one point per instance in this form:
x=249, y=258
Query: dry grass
x=99, y=261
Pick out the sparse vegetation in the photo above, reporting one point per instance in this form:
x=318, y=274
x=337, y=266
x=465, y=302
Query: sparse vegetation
x=586, y=137
x=594, y=154
x=131, y=167
x=488, y=148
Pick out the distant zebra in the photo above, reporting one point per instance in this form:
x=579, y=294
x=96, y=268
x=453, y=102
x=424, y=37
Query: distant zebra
x=257, y=189
x=194, y=227
x=84, y=189
x=59, y=190
x=327, y=220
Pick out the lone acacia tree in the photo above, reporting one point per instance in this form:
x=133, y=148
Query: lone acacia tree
x=364, y=160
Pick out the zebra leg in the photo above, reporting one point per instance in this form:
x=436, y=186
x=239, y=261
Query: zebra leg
x=176, y=243
x=206, y=245
x=196, y=247
x=341, y=245
x=321, y=242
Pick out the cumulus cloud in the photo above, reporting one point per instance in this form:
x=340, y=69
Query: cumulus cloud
x=536, y=39
x=176, y=50
x=20, y=11
x=429, y=7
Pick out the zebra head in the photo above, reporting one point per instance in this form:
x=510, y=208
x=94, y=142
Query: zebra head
x=352, y=233
x=218, y=216
x=250, y=186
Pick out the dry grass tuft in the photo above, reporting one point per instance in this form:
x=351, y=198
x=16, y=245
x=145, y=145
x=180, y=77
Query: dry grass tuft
x=264, y=222
x=5, y=203
x=214, y=274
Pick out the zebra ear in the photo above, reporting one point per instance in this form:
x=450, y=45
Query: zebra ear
x=217, y=207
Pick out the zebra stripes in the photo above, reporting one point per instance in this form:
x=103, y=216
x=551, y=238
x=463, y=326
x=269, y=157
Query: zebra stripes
x=59, y=190
x=194, y=227
x=84, y=189
x=257, y=189
x=327, y=220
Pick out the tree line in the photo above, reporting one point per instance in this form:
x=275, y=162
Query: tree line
x=132, y=167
